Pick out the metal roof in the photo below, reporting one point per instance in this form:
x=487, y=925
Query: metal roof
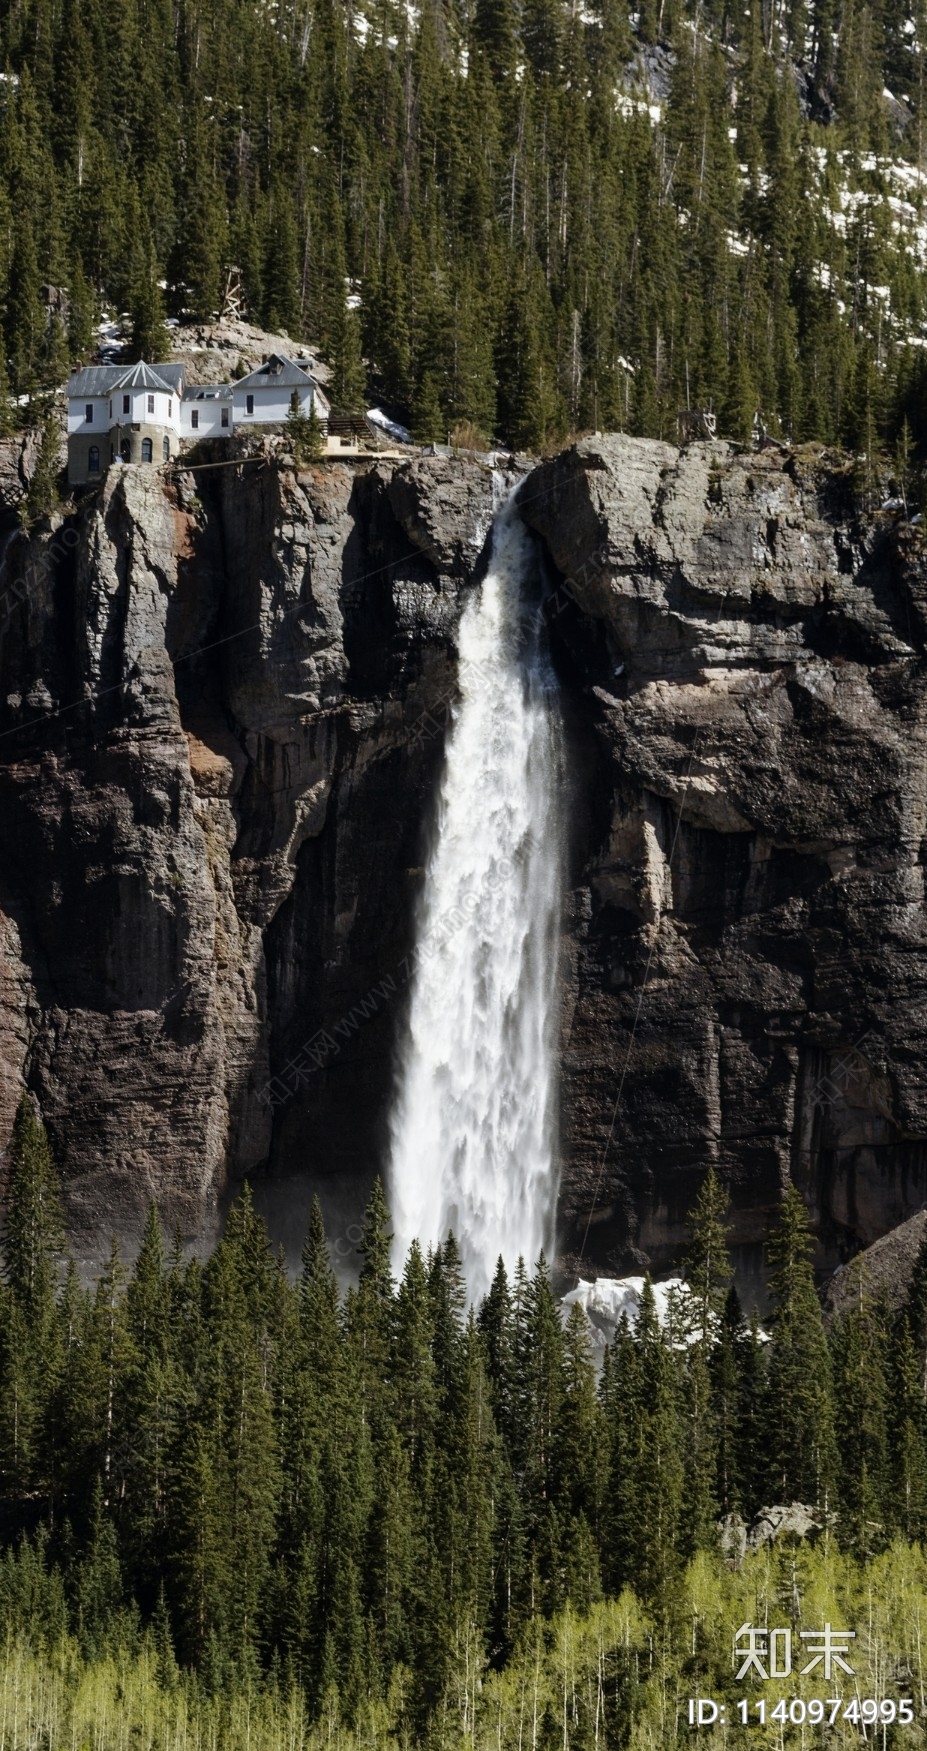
x=93, y=380
x=142, y=376
x=174, y=376
x=208, y=392
x=275, y=373
x=103, y=379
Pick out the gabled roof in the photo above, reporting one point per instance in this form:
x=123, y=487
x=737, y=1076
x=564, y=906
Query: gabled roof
x=275, y=373
x=93, y=380
x=142, y=376
x=103, y=379
x=174, y=376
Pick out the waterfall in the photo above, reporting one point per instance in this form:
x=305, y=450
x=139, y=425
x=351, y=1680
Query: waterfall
x=473, y=1130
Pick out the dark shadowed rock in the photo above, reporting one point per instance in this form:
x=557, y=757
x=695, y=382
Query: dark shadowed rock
x=745, y=662
x=221, y=723
x=223, y=708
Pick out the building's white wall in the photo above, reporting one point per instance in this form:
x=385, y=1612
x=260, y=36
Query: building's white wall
x=210, y=418
x=77, y=410
x=271, y=405
x=138, y=413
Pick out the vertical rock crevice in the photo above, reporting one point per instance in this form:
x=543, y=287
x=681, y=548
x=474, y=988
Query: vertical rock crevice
x=753, y=959
x=221, y=728
x=213, y=775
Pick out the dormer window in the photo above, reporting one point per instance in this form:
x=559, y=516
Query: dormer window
x=88, y=413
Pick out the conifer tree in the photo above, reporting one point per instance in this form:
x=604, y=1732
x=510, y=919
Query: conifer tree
x=384, y=314
x=99, y=1583
x=494, y=35
x=428, y=422
x=43, y=491
x=646, y=1477
x=318, y=1307
x=25, y=316
x=349, y=380
x=907, y=1434
x=799, y=1420
x=33, y=1227
x=304, y=432
x=707, y=1270
x=914, y=1313
x=494, y=1322
x=281, y=267
x=81, y=314
x=205, y=241
x=448, y=1301
x=726, y=1382
x=580, y=1430
x=707, y=1277
x=370, y=1310
x=413, y=1372
x=542, y=1351
x=149, y=337
x=859, y=1348
x=31, y=1357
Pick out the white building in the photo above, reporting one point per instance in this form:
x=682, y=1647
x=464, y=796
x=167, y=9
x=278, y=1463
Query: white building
x=149, y=413
x=263, y=397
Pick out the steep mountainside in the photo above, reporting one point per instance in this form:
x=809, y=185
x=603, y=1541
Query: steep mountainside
x=532, y=216
x=216, y=753
x=221, y=731
x=749, y=926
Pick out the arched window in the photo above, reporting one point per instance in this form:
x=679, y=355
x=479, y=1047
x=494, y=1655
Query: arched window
x=125, y=450
x=147, y=452
x=93, y=459
x=166, y=449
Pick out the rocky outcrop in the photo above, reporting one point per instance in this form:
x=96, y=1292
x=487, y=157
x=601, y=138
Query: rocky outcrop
x=882, y=1273
x=794, y=1520
x=745, y=666
x=223, y=701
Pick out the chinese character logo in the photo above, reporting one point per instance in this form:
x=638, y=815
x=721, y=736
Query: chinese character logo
x=768, y=1652
x=829, y=1651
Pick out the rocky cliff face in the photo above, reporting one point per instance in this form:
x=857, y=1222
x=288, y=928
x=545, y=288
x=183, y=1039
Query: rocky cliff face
x=745, y=663
x=221, y=721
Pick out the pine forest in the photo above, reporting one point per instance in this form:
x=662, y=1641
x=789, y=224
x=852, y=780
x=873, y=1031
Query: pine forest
x=243, y=1509
x=513, y=218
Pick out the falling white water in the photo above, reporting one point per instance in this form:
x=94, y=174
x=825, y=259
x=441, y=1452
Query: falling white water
x=473, y=1145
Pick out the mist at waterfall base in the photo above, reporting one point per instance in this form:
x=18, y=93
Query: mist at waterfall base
x=473, y=1129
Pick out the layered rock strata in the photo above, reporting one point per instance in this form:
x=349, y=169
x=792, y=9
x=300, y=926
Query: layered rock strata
x=222, y=712
x=745, y=658
x=222, y=705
